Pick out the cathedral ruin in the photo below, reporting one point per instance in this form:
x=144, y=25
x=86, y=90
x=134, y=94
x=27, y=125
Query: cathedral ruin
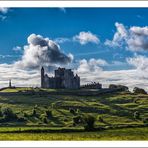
x=63, y=78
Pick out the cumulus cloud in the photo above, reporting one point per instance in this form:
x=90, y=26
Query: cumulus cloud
x=138, y=38
x=18, y=76
x=63, y=9
x=42, y=52
x=86, y=37
x=2, y=17
x=94, y=72
x=139, y=62
x=61, y=40
x=92, y=65
x=118, y=37
x=17, y=48
x=134, y=38
x=4, y=10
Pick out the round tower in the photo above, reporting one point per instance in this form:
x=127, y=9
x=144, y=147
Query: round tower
x=42, y=77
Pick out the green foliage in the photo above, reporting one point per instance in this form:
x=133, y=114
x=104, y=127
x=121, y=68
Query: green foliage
x=137, y=115
x=49, y=113
x=73, y=111
x=100, y=119
x=8, y=114
x=89, y=122
x=77, y=120
x=45, y=120
x=137, y=90
x=145, y=121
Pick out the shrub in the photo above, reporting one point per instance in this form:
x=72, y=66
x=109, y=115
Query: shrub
x=71, y=110
x=136, y=115
x=77, y=120
x=145, y=121
x=1, y=112
x=36, y=106
x=8, y=114
x=49, y=114
x=45, y=120
x=137, y=90
x=34, y=113
x=25, y=115
x=120, y=87
x=100, y=119
x=89, y=123
x=21, y=119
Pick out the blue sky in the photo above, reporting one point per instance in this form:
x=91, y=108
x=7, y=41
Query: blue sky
x=107, y=34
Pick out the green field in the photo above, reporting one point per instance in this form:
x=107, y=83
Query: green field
x=114, y=113
x=117, y=134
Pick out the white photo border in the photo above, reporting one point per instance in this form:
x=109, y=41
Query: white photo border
x=75, y=4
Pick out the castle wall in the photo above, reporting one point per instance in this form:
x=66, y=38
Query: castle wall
x=64, y=78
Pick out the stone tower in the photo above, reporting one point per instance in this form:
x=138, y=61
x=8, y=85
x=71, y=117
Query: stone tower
x=42, y=77
x=10, y=84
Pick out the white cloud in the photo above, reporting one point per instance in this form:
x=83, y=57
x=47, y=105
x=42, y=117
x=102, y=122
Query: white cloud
x=92, y=65
x=134, y=38
x=2, y=17
x=94, y=72
x=61, y=40
x=118, y=37
x=17, y=48
x=86, y=37
x=4, y=10
x=139, y=62
x=42, y=52
x=39, y=52
x=63, y=9
x=18, y=76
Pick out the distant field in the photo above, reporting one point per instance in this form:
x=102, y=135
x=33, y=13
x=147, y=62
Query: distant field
x=115, y=110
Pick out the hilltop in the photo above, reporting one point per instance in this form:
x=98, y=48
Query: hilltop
x=53, y=108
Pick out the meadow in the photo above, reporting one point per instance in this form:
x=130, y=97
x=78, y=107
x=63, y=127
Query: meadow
x=49, y=116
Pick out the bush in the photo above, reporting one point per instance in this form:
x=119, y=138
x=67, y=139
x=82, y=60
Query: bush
x=21, y=119
x=137, y=90
x=145, y=121
x=89, y=123
x=73, y=111
x=34, y=113
x=8, y=114
x=136, y=115
x=120, y=87
x=49, y=114
x=25, y=115
x=1, y=112
x=100, y=119
x=36, y=106
x=45, y=120
x=77, y=120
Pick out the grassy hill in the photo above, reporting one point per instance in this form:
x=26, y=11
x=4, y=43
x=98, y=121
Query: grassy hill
x=45, y=112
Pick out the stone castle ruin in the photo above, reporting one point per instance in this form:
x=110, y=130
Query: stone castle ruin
x=63, y=78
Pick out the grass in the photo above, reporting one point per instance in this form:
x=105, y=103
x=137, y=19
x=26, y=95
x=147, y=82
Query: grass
x=116, y=109
x=116, y=134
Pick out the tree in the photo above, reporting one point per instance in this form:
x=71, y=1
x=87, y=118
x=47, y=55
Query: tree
x=77, y=120
x=71, y=110
x=48, y=113
x=89, y=123
x=136, y=115
x=137, y=90
x=34, y=113
x=8, y=114
x=145, y=121
x=45, y=120
x=120, y=87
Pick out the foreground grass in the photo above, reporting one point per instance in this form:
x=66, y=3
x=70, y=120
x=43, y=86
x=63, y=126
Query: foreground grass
x=116, y=134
